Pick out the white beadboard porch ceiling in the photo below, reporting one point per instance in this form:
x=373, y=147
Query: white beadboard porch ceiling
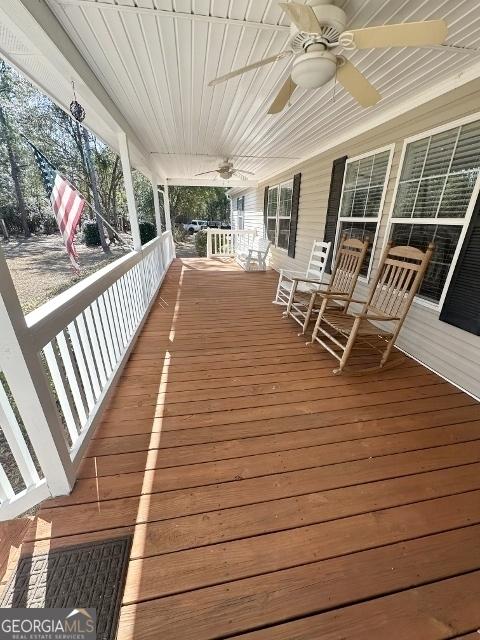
x=156, y=57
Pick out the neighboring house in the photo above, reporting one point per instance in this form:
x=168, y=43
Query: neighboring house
x=411, y=179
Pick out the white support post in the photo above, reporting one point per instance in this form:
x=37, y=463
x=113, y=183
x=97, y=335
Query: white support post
x=128, y=182
x=26, y=377
x=166, y=204
x=209, y=243
x=158, y=217
x=168, y=220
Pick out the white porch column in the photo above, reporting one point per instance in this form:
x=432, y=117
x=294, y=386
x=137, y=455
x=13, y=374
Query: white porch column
x=168, y=220
x=28, y=383
x=158, y=218
x=128, y=182
x=156, y=204
x=166, y=204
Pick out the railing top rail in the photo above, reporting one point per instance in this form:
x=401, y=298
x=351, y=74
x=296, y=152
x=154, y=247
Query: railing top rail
x=236, y=231
x=50, y=318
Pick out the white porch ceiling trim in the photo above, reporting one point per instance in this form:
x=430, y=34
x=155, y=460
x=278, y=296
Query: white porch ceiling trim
x=194, y=182
x=192, y=17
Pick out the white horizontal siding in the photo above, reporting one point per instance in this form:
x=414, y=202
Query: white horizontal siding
x=253, y=214
x=453, y=353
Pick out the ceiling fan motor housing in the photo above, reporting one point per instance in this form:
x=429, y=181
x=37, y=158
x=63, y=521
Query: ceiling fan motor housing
x=226, y=170
x=314, y=68
x=333, y=21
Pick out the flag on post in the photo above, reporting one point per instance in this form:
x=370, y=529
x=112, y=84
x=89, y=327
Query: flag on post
x=66, y=201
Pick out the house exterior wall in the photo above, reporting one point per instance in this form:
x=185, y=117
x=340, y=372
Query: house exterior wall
x=452, y=352
x=253, y=213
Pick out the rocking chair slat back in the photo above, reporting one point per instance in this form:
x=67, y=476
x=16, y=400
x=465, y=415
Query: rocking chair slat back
x=348, y=262
x=399, y=276
x=318, y=260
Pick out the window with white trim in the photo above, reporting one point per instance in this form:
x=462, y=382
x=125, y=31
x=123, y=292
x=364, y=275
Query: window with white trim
x=279, y=213
x=363, y=194
x=434, y=199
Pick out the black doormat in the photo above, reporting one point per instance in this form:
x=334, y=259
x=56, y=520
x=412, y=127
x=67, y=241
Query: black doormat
x=83, y=576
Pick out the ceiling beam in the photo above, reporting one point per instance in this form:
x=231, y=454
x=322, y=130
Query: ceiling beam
x=162, y=13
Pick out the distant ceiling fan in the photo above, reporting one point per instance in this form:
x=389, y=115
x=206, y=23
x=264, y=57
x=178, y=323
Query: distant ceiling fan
x=226, y=171
x=319, y=26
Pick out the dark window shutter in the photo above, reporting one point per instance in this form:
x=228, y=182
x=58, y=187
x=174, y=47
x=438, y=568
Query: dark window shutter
x=265, y=208
x=335, y=195
x=292, y=240
x=462, y=302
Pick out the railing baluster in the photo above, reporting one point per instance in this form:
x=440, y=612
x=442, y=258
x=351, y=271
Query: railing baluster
x=107, y=330
x=137, y=286
x=82, y=367
x=115, y=323
x=61, y=389
x=125, y=308
x=119, y=315
x=16, y=441
x=6, y=489
x=101, y=338
x=89, y=355
x=72, y=378
x=92, y=335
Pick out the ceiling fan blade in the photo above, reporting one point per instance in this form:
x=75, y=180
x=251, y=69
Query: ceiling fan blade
x=205, y=173
x=283, y=96
x=303, y=16
x=408, y=34
x=249, y=67
x=356, y=84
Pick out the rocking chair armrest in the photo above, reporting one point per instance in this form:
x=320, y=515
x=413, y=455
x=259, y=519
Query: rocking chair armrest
x=375, y=316
x=342, y=297
x=310, y=280
x=291, y=275
x=332, y=295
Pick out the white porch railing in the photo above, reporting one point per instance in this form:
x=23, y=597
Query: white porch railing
x=57, y=367
x=228, y=242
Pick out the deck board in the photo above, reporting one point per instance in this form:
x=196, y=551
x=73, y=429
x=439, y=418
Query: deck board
x=267, y=498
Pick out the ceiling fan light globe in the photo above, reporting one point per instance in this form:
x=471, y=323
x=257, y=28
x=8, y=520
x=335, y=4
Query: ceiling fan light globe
x=225, y=175
x=314, y=69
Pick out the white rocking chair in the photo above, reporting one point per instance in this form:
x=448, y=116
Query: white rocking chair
x=254, y=258
x=315, y=271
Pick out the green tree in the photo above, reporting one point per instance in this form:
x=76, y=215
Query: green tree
x=205, y=203
x=8, y=139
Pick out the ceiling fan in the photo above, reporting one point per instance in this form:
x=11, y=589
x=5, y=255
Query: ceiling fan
x=317, y=28
x=226, y=171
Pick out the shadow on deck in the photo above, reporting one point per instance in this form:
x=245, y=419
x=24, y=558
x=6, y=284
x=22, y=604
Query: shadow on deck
x=267, y=497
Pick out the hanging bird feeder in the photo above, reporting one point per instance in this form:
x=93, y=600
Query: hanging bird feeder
x=76, y=109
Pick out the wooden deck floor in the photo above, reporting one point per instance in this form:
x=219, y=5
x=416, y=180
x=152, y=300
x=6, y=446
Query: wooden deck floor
x=268, y=498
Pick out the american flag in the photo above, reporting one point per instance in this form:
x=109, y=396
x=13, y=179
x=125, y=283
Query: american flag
x=67, y=203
